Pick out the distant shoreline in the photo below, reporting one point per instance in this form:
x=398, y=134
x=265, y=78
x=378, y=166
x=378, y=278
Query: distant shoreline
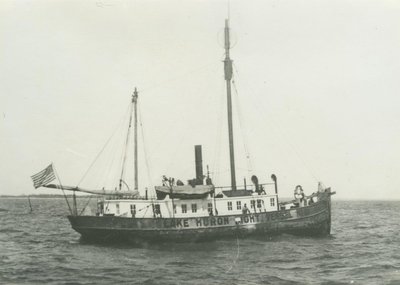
x=44, y=196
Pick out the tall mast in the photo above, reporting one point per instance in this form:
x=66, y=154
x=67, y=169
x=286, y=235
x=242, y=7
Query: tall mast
x=228, y=78
x=134, y=100
x=133, y=110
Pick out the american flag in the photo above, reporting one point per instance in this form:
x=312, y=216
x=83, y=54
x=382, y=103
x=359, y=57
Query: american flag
x=43, y=177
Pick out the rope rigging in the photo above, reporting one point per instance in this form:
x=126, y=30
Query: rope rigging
x=243, y=130
x=110, y=163
x=273, y=126
x=146, y=158
x=218, y=138
x=217, y=170
x=102, y=149
x=125, y=151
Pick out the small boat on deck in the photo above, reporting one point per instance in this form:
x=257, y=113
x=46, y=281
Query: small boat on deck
x=199, y=210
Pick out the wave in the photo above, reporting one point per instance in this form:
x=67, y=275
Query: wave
x=11, y=230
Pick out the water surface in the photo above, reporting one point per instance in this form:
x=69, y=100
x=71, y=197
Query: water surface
x=41, y=247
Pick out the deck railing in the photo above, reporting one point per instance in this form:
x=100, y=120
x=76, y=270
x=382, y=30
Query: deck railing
x=267, y=187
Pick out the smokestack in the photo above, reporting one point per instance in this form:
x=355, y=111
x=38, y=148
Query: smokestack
x=199, y=164
x=275, y=179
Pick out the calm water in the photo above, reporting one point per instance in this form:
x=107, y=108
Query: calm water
x=42, y=248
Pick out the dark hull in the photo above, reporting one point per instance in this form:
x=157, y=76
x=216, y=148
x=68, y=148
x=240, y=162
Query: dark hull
x=312, y=220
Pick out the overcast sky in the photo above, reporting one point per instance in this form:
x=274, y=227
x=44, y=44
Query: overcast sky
x=317, y=92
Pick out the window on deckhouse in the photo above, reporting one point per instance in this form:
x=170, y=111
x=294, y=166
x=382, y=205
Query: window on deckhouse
x=117, y=209
x=272, y=200
x=229, y=206
x=133, y=210
x=157, y=209
x=194, y=208
x=238, y=205
x=259, y=203
x=209, y=207
x=184, y=208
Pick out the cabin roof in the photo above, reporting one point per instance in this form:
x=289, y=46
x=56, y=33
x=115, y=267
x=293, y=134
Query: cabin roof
x=184, y=191
x=237, y=193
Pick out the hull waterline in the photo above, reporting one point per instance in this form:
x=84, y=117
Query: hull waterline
x=312, y=220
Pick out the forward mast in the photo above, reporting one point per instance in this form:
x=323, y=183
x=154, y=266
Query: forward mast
x=134, y=114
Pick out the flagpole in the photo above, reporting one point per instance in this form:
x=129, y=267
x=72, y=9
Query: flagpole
x=62, y=189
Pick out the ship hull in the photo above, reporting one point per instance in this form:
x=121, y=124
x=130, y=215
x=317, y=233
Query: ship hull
x=312, y=220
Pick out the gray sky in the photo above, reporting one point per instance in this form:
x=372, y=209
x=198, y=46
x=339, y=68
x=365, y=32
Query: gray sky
x=317, y=86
